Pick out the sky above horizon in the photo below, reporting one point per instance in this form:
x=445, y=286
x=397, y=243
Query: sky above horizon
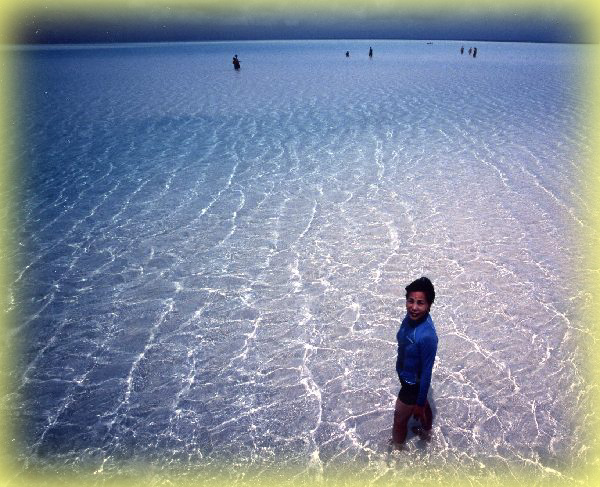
x=181, y=25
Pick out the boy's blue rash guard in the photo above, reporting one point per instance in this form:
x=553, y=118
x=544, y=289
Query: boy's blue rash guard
x=417, y=346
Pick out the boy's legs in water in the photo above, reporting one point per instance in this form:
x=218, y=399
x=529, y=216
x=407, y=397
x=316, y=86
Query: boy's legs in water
x=402, y=414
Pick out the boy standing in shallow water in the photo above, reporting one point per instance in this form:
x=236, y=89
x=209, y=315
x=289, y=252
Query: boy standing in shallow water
x=417, y=346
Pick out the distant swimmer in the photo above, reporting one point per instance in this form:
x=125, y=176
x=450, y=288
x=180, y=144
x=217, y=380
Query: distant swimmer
x=236, y=62
x=462, y=49
x=474, y=52
x=417, y=347
x=370, y=52
x=347, y=53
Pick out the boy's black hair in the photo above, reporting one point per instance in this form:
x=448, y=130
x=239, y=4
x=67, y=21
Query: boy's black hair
x=424, y=285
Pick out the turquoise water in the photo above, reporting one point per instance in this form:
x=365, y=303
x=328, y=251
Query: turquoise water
x=211, y=263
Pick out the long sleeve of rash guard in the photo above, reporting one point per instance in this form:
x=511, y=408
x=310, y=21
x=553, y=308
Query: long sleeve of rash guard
x=428, y=350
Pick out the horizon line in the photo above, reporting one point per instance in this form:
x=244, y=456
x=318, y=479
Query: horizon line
x=267, y=39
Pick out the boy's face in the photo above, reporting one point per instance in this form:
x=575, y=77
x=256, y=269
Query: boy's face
x=417, y=305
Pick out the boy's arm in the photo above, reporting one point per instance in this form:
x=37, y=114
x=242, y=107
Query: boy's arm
x=428, y=350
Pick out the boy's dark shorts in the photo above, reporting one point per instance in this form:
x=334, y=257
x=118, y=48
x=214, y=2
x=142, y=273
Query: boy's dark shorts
x=408, y=393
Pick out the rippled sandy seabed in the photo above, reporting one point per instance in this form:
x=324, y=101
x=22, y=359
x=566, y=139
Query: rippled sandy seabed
x=210, y=264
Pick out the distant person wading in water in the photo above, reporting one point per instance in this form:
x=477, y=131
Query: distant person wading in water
x=236, y=62
x=417, y=347
x=370, y=52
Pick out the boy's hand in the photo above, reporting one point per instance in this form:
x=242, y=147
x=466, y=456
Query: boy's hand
x=419, y=413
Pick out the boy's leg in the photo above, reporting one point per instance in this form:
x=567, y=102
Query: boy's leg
x=428, y=416
x=424, y=430
x=402, y=414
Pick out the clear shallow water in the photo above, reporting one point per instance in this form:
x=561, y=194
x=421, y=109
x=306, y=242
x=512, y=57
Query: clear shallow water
x=211, y=263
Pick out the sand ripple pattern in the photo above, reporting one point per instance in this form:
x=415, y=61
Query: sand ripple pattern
x=211, y=263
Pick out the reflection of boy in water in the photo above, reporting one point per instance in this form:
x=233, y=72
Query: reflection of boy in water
x=236, y=62
x=417, y=346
